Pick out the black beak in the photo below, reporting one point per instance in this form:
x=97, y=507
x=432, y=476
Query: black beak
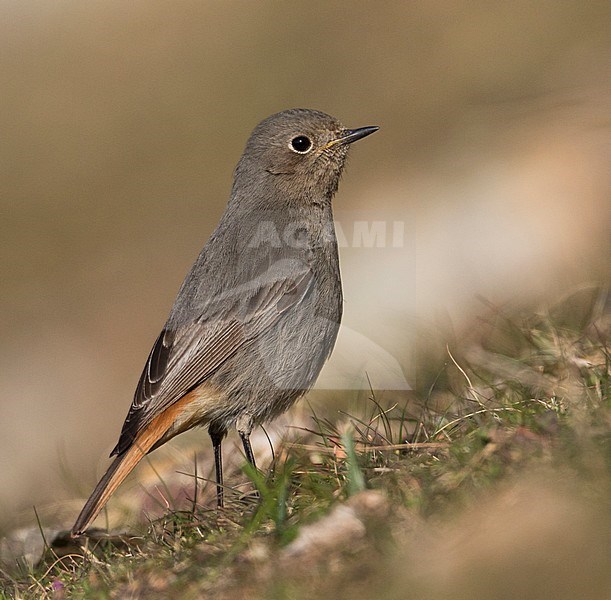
x=351, y=135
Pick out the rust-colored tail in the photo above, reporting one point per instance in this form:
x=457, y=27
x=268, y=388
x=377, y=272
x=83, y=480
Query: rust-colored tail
x=123, y=465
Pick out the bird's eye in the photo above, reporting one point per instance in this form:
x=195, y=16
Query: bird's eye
x=301, y=144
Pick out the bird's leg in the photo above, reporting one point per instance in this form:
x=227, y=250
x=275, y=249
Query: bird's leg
x=244, y=426
x=217, y=435
x=250, y=457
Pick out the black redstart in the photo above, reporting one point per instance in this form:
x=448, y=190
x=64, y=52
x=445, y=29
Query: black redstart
x=258, y=314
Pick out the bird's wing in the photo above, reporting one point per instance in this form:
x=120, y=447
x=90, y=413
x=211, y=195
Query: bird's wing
x=184, y=357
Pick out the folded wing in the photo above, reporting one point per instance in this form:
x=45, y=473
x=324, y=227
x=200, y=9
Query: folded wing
x=184, y=357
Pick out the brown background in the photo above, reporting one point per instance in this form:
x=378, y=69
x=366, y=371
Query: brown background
x=121, y=124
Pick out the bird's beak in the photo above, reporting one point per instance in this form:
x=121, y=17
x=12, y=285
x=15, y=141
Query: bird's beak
x=351, y=135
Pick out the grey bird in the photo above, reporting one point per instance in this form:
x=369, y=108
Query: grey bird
x=258, y=314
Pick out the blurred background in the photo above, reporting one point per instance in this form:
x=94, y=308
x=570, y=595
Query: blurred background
x=122, y=123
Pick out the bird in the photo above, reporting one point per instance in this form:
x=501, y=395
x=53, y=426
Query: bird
x=258, y=314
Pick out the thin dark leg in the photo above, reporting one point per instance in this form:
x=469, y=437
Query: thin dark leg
x=217, y=438
x=250, y=457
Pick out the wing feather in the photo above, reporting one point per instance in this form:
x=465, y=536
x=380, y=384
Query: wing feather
x=182, y=358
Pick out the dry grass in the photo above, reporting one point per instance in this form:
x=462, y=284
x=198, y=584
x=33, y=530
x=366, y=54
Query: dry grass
x=492, y=482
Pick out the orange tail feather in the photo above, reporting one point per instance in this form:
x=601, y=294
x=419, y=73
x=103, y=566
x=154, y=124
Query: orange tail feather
x=123, y=465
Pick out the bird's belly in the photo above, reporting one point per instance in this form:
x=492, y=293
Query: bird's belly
x=265, y=377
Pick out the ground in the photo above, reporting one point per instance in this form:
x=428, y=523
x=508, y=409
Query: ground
x=491, y=480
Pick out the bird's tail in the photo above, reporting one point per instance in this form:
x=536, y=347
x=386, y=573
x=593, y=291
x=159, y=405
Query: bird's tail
x=123, y=465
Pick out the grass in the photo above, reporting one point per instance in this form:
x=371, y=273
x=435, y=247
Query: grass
x=506, y=444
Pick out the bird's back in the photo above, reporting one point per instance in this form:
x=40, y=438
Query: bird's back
x=279, y=363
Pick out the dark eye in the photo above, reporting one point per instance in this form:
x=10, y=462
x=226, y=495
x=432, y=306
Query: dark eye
x=301, y=144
